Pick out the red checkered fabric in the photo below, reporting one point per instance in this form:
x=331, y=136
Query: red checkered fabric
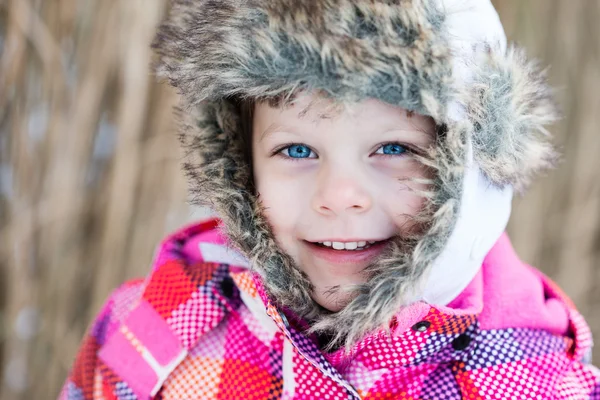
x=201, y=328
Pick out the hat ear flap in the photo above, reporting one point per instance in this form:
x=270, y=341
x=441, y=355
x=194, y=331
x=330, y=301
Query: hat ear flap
x=509, y=104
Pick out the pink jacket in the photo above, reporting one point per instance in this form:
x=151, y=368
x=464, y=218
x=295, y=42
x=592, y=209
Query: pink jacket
x=201, y=326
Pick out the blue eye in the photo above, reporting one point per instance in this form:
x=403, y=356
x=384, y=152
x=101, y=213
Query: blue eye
x=297, y=151
x=391, y=149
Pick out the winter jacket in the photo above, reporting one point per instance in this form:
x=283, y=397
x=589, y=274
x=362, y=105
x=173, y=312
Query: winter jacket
x=201, y=326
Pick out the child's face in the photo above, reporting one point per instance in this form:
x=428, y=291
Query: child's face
x=338, y=177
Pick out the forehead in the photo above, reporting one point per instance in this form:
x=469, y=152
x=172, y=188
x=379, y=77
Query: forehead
x=310, y=113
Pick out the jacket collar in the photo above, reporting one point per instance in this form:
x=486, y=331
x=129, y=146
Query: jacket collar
x=433, y=329
x=504, y=294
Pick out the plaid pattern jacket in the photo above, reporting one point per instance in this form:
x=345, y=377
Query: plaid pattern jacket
x=200, y=326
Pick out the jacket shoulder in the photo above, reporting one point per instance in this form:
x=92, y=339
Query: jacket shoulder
x=147, y=326
x=85, y=374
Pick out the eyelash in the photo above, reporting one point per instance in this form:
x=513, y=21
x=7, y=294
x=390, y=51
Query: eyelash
x=279, y=151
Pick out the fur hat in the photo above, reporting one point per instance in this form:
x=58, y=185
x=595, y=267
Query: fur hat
x=434, y=57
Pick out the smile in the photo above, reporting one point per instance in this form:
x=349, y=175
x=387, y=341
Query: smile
x=360, y=245
x=346, y=252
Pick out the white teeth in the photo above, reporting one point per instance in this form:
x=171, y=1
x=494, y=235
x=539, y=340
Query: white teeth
x=361, y=245
x=338, y=245
x=351, y=245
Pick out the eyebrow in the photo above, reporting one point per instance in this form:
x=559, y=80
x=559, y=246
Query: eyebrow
x=419, y=130
x=270, y=129
x=277, y=127
x=274, y=127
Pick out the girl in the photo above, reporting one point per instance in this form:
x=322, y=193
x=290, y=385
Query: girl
x=361, y=157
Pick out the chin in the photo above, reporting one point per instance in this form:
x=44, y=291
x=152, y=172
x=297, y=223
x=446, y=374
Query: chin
x=331, y=299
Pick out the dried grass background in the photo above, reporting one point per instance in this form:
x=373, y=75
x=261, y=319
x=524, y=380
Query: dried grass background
x=90, y=181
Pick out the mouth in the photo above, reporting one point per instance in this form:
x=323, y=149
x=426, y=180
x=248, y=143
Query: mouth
x=350, y=246
x=347, y=252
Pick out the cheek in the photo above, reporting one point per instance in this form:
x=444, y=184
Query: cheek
x=402, y=197
x=282, y=199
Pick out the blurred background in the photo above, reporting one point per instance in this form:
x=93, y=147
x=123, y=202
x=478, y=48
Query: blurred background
x=90, y=178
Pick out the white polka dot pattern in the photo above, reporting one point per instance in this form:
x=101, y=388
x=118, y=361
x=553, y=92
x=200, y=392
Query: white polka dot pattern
x=233, y=354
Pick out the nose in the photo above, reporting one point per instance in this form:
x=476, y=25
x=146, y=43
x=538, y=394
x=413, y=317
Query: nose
x=337, y=194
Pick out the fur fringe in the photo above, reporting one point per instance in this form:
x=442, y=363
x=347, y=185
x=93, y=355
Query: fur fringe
x=510, y=103
x=348, y=49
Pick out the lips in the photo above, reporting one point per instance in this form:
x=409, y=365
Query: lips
x=359, y=245
x=351, y=253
